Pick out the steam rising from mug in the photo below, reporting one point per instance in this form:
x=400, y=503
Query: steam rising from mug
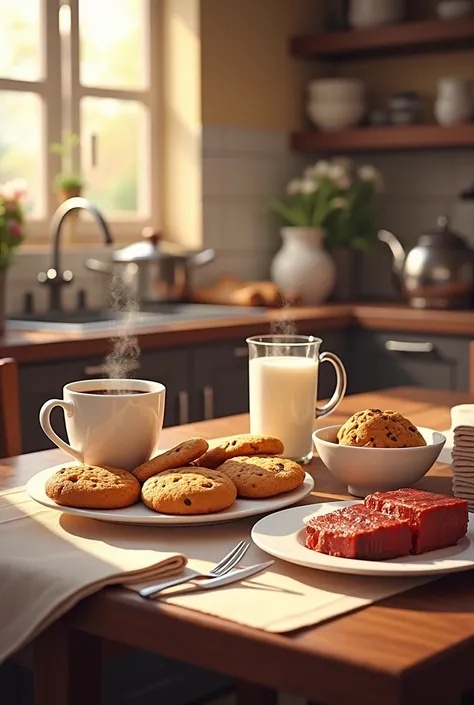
x=125, y=348
x=285, y=325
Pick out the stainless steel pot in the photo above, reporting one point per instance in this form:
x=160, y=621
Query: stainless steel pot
x=154, y=270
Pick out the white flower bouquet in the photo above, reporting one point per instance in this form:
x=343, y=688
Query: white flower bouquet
x=337, y=196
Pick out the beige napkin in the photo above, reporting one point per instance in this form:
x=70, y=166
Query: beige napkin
x=284, y=598
x=63, y=557
x=45, y=569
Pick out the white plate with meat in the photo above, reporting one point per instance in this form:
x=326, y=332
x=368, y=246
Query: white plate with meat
x=283, y=535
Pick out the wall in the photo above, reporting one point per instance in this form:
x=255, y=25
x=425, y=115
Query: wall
x=248, y=77
x=420, y=186
x=252, y=97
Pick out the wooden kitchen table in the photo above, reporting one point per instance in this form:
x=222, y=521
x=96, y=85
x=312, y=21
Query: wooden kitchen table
x=414, y=648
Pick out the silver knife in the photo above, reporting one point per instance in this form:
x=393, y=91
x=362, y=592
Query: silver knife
x=233, y=577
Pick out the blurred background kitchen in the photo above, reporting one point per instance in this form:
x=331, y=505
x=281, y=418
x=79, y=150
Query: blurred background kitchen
x=192, y=118
x=233, y=156
x=225, y=159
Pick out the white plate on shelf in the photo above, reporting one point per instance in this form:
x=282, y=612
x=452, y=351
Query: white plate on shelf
x=282, y=535
x=140, y=514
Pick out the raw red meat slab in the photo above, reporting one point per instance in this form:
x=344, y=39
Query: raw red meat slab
x=356, y=532
x=436, y=521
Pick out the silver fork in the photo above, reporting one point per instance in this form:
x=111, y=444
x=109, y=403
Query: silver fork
x=224, y=566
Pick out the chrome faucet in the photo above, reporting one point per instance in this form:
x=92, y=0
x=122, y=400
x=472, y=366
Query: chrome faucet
x=54, y=277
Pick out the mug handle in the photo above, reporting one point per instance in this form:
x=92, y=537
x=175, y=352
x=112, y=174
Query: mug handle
x=341, y=384
x=45, y=421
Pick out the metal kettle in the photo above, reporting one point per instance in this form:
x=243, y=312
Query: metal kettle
x=438, y=272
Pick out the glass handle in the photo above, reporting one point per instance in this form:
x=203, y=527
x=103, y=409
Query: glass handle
x=341, y=384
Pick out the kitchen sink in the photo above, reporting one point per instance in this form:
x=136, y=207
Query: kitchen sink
x=105, y=319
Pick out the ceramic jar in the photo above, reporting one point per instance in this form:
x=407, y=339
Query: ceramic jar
x=336, y=103
x=375, y=13
x=454, y=102
x=302, y=269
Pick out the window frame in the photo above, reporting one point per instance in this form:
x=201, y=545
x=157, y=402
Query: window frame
x=48, y=87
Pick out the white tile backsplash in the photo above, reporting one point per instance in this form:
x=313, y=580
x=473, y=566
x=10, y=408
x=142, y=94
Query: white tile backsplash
x=243, y=170
x=238, y=140
x=213, y=171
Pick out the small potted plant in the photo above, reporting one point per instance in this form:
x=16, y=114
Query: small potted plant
x=67, y=183
x=12, y=231
x=329, y=209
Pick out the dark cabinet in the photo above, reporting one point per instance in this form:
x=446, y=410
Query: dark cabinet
x=220, y=380
x=172, y=368
x=384, y=359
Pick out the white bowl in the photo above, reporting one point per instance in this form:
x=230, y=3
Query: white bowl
x=337, y=89
x=450, y=9
x=367, y=470
x=337, y=115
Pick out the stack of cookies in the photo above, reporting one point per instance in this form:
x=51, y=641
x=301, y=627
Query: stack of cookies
x=195, y=479
x=190, y=478
x=463, y=464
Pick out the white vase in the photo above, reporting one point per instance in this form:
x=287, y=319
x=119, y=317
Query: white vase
x=375, y=13
x=302, y=267
x=454, y=103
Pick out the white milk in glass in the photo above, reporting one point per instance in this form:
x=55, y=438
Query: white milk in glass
x=283, y=393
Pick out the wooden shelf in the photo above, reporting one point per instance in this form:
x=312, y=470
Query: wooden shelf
x=384, y=138
x=404, y=38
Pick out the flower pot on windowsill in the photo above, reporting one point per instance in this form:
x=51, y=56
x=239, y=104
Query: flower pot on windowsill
x=63, y=193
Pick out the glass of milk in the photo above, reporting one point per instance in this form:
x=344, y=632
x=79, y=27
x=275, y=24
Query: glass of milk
x=283, y=389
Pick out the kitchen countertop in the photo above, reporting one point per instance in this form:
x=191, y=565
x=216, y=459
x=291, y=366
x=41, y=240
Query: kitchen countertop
x=29, y=346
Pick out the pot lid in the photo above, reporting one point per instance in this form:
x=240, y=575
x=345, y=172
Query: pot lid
x=443, y=236
x=150, y=247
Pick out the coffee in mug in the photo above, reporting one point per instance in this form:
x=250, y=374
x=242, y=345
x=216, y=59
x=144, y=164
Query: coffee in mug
x=114, y=422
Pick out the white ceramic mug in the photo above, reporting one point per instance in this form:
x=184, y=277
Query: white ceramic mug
x=462, y=415
x=120, y=429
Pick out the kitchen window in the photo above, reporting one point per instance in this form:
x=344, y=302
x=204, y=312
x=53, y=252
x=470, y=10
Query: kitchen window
x=87, y=68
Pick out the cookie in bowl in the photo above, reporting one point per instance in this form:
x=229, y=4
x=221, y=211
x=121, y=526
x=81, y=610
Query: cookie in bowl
x=375, y=428
x=378, y=450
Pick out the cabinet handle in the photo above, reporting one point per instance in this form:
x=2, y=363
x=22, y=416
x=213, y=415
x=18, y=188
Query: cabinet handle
x=403, y=346
x=208, y=394
x=183, y=402
x=94, y=370
x=241, y=352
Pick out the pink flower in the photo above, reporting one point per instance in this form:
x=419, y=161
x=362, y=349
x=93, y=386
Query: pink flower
x=15, y=228
x=14, y=190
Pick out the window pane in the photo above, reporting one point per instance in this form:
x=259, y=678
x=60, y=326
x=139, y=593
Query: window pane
x=113, y=43
x=21, y=127
x=20, y=50
x=114, y=137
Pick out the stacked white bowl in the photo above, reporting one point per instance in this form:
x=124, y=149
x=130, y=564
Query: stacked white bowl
x=336, y=103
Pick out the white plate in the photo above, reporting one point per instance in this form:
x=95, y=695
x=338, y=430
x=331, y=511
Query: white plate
x=282, y=535
x=139, y=514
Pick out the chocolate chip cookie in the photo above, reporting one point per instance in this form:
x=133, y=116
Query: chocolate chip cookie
x=375, y=428
x=91, y=487
x=235, y=446
x=189, y=491
x=262, y=475
x=177, y=457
